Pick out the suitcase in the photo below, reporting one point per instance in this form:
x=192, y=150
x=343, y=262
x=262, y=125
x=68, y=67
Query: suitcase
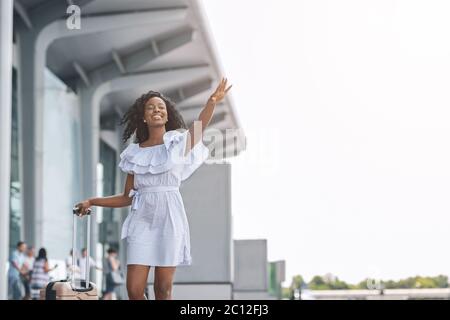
x=72, y=289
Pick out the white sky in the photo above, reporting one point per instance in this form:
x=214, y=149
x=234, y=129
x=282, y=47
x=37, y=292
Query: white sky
x=346, y=107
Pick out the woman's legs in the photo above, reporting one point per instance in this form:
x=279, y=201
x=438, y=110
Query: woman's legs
x=137, y=281
x=163, y=282
x=107, y=295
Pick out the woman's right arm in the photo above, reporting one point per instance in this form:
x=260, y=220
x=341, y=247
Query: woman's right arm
x=116, y=201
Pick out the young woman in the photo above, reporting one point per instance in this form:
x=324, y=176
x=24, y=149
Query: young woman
x=112, y=266
x=39, y=275
x=157, y=229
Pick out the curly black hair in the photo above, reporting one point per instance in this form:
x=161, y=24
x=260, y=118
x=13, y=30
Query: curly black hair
x=132, y=119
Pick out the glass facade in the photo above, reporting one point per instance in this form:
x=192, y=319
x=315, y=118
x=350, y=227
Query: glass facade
x=62, y=171
x=108, y=236
x=108, y=160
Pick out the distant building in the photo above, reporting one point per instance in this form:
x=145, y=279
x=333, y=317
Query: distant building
x=254, y=276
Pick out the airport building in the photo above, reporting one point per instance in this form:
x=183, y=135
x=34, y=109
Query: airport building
x=69, y=71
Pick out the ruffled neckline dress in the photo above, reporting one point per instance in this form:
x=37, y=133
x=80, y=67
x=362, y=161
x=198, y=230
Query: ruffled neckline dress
x=164, y=157
x=157, y=229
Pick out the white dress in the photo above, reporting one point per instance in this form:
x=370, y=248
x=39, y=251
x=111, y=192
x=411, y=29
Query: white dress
x=157, y=229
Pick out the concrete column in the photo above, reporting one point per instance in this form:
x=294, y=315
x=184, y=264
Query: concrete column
x=6, y=48
x=30, y=86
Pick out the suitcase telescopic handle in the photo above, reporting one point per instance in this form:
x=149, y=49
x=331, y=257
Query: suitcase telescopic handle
x=75, y=212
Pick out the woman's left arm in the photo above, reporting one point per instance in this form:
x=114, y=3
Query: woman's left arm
x=206, y=114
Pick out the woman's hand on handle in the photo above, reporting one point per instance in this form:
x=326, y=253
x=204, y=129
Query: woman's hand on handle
x=83, y=207
x=117, y=201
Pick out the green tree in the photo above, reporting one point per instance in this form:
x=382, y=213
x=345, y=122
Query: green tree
x=339, y=285
x=441, y=281
x=330, y=282
x=297, y=282
x=327, y=283
x=317, y=283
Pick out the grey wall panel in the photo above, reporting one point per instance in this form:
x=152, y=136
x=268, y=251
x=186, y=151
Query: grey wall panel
x=250, y=264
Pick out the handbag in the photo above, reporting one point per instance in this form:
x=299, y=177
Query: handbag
x=116, y=278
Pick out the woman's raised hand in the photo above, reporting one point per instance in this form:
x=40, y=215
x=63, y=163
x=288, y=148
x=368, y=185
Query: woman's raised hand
x=220, y=92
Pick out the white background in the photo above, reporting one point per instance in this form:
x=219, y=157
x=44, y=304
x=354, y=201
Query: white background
x=346, y=106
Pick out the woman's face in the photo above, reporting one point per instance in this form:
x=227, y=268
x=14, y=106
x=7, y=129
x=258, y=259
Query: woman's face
x=155, y=112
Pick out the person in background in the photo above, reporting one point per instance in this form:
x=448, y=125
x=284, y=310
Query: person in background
x=82, y=264
x=15, y=285
x=39, y=276
x=69, y=268
x=28, y=268
x=112, y=265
